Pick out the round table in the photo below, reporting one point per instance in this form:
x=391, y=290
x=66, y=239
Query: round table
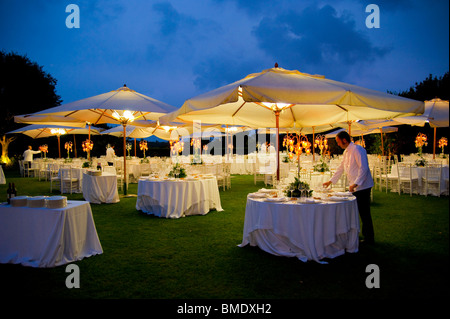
x=309, y=231
x=175, y=198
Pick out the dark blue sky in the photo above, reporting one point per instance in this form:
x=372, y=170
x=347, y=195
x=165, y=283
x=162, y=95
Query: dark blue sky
x=176, y=49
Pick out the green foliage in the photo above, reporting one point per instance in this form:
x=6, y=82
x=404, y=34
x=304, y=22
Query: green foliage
x=321, y=167
x=177, y=171
x=297, y=186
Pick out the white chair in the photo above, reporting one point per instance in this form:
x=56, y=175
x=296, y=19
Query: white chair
x=119, y=173
x=42, y=171
x=52, y=173
x=145, y=169
x=432, y=178
x=67, y=180
x=389, y=178
x=221, y=176
x=29, y=170
x=258, y=172
x=406, y=180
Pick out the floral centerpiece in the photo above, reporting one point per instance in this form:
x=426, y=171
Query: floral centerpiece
x=87, y=164
x=322, y=143
x=44, y=149
x=421, y=141
x=68, y=147
x=143, y=146
x=442, y=144
x=129, y=146
x=177, y=171
x=322, y=167
x=87, y=145
x=298, y=188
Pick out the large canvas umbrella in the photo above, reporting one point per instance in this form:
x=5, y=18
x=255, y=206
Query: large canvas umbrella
x=121, y=106
x=41, y=131
x=436, y=114
x=283, y=98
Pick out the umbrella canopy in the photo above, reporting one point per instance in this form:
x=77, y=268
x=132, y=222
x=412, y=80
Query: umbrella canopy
x=305, y=101
x=57, y=120
x=385, y=129
x=104, y=108
x=40, y=131
x=436, y=114
x=121, y=106
x=282, y=98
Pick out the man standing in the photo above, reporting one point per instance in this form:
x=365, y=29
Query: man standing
x=110, y=155
x=28, y=155
x=356, y=166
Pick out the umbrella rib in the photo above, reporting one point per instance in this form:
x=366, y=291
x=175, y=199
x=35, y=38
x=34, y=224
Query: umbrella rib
x=238, y=109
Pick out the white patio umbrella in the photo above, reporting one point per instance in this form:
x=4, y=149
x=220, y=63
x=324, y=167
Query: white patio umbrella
x=121, y=106
x=436, y=114
x=42, y=130
x=281, y=98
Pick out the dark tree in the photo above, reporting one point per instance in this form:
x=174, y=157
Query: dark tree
x=24, y=88
x=432, y=87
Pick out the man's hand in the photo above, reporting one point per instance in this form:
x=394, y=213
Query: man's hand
x=352, y=188
x=326, y=184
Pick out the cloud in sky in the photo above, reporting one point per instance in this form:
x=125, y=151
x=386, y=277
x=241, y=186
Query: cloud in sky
x=316, y=40
x=173, y=50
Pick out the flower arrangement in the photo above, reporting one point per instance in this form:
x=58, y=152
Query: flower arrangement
x=321, y=167
x=421, y=162
x=421, y=140
x=442, y=144
x=298, y=189
x=44, y=149
x=177, y=171
x=322, y=143
x=143, y=146
x=295, y=144
x=87, y=164
x=129, y=147
x=68, y=147
x=87, y=145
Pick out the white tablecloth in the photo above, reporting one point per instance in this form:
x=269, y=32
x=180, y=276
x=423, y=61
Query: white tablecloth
x=178, y=198
x=2, y=176
x=100, y=189
x=305, y=231
x=43, y=237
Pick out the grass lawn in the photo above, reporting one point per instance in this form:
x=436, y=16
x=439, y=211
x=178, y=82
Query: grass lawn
x=197, y=257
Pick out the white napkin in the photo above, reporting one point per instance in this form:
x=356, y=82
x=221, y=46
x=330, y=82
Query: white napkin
x=343, y=193
x=276, y=199
x=257, y=195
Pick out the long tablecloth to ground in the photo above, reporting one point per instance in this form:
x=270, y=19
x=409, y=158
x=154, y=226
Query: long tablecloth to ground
x=304, y=231
x=43, y=237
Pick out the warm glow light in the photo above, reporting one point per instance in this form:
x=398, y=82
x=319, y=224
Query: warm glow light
x=126, y=117
x=58, y=131
x=275, y=106
x=168, y=128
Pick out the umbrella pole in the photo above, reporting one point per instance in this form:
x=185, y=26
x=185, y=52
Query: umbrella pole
x=124, y=160
x=434, y=144
x=314, y=138
x=134, y=147
x=59, y=147
x=382, y=144
x=277, y=116
x=75, y=146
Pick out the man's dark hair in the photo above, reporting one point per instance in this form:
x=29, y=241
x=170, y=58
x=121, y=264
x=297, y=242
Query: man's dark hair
x=343, y=135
